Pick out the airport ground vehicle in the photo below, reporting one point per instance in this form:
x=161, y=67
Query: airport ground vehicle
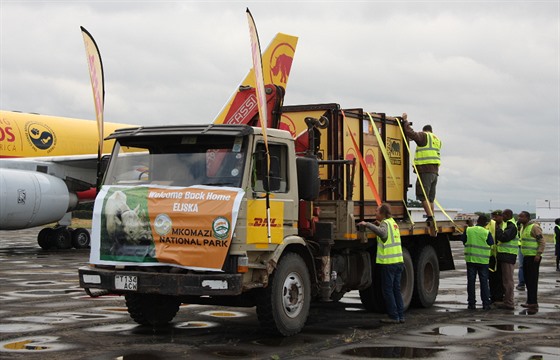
x=185, y=246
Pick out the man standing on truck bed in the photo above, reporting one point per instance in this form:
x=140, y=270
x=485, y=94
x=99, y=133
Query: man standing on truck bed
x=427, y=161
x=390, y=259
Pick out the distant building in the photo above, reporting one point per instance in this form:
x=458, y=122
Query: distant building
x=547, y=212
x=466, y=216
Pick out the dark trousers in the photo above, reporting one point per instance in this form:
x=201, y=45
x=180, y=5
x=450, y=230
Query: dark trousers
x=531, y=274
x=391, y=282
x=495, y=281
x=482, y=270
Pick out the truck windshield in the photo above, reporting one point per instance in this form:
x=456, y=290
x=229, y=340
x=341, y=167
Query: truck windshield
x=177, y=161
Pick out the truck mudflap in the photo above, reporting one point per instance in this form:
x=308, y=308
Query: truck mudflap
x=126, y=281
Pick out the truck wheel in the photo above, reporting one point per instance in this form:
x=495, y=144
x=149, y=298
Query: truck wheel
x=283, y=306
x=427, y=278
x=152, y=309
x=372, y=297
x=61, y=238
x=407, y=279
x=80, y=238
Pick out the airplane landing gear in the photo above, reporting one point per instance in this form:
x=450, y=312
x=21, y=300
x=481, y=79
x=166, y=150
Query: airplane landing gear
x=62, y=237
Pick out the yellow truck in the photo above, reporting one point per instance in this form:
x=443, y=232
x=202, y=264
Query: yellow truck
x=238, y=215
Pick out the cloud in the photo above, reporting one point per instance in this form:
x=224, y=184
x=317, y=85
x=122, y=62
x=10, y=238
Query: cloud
x=484, y=74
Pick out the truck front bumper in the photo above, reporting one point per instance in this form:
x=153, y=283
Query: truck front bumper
x=161, y=283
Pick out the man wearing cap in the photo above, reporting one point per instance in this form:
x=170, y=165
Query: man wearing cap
x=507, y=245
x=495, y=274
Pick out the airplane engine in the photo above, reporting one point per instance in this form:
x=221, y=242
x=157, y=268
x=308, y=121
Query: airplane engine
x=30, y=199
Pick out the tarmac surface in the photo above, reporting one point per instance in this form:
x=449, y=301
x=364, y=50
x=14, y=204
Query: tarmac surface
x=44, y=314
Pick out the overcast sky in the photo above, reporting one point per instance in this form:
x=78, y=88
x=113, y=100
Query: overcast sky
x=484, y=74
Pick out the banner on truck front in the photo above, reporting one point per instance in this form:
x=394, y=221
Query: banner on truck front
x=188, y=227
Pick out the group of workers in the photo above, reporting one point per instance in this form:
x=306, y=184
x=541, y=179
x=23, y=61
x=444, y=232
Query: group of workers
x=492, y=247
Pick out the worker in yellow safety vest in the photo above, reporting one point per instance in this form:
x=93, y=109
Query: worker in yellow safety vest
x=532, y=247
x=495, y=274
x=557, y=242
x=427, y=160
x=477, y=241
x=390, y=260
x=507, y=246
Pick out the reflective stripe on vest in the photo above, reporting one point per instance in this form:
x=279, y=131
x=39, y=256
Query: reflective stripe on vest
x=529, y=244
x=390, y=251
x=476, y=249
x=428, y=154
x=512, y=246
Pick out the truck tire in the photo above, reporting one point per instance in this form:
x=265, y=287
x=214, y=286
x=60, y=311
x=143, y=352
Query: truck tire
x=372, y=297
x=80, y=238
x=426, y=269
x=152, y=309
x=407, y=279
x=283, y=306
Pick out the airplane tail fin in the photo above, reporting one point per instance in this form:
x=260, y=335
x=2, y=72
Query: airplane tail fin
x=276, y=62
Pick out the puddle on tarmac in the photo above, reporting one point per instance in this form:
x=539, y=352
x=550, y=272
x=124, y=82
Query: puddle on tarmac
x=354, y=309
x=113, y=328
x=392, y=352
x=16, y=328
x=510, y=327
x=224, y=314
x=457, y=331
x=284, y=342
x=34, y=344
x=195, y=325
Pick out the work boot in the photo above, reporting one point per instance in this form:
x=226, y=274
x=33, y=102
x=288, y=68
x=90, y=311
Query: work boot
x=530, y=306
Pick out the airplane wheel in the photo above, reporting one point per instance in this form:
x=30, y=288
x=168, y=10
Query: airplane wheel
x=61, y=238
x=45, y=237
x=80, y=238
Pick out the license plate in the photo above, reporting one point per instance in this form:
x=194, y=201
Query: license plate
x=126, y=282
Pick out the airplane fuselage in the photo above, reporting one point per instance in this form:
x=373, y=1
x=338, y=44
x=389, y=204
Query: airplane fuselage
x=31, y=135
